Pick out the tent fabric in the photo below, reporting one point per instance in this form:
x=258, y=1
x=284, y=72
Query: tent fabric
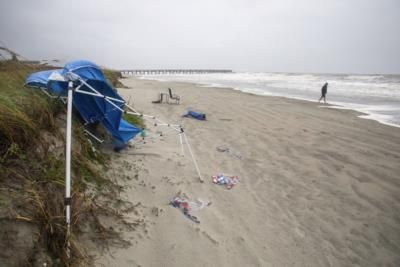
x=91, y=108
x=48, y=79
x=38, y=79
x=126, y=131
x=94, y=109
x=85, y=69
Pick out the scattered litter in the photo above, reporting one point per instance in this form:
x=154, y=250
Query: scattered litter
x=143, y=133
x=228, y=180
x=229, y=151
x=182, y=202
x=195, y=115
x=222, y=148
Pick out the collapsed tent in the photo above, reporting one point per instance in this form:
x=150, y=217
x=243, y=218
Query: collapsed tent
x=83, y=85
x=93, y=97
x=50, y=80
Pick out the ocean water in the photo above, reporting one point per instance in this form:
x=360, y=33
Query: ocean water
x=378, y=96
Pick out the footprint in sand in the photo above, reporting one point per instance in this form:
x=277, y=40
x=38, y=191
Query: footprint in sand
x=156, y=211
x=208, y=236
x=300, y=232
x=180, y=164
x=171, y=181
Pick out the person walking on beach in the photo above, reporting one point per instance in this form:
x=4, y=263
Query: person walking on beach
x=324, y=90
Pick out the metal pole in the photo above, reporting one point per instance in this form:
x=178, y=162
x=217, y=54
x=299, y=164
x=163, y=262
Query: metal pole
x=67, y=199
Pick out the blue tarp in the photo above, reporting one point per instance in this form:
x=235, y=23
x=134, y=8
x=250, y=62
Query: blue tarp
x=195, y=115
x=91, y=108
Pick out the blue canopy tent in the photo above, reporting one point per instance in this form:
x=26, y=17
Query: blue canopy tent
x=85, y=87
x=39, y=79
x=92, y=107
x=50, y=80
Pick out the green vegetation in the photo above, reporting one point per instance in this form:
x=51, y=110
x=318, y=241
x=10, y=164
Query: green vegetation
x=32, y=170
x=23, y=113
x=135, y=120
x=113, y=77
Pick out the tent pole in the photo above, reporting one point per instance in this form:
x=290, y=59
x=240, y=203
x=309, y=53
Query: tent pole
x=111, y=99
x=181, y=141
x=191, y=154
x=67, y=200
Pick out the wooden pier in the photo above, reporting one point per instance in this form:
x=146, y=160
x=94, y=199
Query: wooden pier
x=171, y=71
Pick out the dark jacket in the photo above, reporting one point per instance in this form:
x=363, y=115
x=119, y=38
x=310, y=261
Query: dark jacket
x=324, y=89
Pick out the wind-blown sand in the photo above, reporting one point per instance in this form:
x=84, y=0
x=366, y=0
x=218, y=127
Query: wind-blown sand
x=318, y=187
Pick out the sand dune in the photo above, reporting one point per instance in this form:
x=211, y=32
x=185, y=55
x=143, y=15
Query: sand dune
x=318, y=187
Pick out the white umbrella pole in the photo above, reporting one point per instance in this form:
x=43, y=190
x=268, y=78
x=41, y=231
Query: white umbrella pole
x=68, y=165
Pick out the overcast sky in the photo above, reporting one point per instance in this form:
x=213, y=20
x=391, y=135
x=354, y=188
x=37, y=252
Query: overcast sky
x=337, y=36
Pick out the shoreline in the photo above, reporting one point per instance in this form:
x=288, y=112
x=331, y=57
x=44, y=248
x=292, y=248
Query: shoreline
x=336, y=105
x=317, y=187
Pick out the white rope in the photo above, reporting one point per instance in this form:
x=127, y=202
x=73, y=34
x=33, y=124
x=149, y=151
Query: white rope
x=159, y=122
x=194, y=160
x=152, y=137
x=167, y=132
x=181, y=142
x=133, y=111
x=178, y=128
x=111, y=99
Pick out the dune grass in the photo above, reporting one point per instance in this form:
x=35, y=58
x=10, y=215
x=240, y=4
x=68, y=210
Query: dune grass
x=113, y=77
x=32, y=167
x=135, y=120
x=23, y=113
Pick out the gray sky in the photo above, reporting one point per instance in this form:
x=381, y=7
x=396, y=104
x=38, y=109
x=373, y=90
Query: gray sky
x=339, y=36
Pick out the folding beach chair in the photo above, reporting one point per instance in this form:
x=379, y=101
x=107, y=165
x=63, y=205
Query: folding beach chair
x=162, y=97
x=175, y=97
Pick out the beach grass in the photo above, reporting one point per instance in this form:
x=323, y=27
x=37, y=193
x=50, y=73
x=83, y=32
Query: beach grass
x=32, y=168
x=113, y=77
x=135, y=120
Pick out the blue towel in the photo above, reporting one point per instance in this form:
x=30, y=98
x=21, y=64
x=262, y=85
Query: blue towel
x=195, y=115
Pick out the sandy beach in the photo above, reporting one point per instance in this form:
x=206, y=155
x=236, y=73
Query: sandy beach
x=317, y=186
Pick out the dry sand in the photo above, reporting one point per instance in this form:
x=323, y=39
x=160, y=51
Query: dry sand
x=318, y=186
